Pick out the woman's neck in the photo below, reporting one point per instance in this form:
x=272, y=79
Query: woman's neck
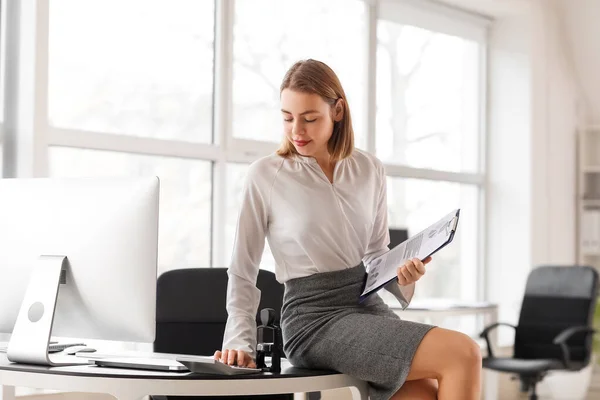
x=324, y=160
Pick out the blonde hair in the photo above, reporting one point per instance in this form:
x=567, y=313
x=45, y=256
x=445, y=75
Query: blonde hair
x=312, y=76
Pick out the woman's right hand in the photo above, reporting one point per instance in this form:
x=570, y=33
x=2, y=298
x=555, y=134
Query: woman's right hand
x=235, y=357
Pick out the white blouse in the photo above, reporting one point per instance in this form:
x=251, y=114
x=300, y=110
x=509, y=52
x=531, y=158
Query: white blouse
x=312, y=226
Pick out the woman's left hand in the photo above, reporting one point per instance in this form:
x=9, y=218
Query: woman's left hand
x=411, y=271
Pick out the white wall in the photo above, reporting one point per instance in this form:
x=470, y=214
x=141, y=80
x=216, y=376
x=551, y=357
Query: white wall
x=533, y=98
x=553, y=138
x=509, y=158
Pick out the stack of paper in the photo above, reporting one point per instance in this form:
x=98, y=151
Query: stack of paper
x=383, y=269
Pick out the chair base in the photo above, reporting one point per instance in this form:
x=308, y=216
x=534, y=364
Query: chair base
x=529, y=384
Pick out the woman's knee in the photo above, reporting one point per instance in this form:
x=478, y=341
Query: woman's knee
x=443, y=352
x=472, y=351
x=464, y=352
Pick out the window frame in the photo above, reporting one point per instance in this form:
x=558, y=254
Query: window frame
x=225, y=148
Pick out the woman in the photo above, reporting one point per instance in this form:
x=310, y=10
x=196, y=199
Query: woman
x=322, y=205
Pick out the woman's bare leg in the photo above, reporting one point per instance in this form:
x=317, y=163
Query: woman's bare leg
x=453, y=359
x=422, y=389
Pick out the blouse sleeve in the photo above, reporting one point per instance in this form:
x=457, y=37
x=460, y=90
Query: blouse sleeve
x=380, y=240
x=243, y=296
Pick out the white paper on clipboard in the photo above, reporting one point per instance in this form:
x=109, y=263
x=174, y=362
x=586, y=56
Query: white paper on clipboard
x=383, y=269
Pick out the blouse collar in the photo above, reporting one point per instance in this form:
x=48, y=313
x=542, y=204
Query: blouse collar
x=309, y=160
x=305, y=159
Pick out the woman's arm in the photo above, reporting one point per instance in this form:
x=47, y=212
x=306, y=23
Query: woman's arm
x=243, y=296
x=380, y=240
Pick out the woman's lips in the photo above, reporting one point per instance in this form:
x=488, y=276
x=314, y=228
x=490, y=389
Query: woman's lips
x=301, y=143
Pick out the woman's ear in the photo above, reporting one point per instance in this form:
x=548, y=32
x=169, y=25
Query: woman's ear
x=338, y=110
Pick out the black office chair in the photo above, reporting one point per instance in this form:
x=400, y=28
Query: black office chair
x=191, y=314
x=555, y=325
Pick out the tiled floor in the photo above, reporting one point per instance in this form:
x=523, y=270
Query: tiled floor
x=594, y=393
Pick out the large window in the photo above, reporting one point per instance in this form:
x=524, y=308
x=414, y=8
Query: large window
x=132, y=67
x=185, y=197
x=414, y=204
x=427, y=98
x=125, y=101
x=270, y=35
x=189, y=89
x=430, y=81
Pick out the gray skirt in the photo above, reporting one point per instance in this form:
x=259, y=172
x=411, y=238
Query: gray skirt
x=324, y=327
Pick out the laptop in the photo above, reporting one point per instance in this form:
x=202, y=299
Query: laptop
x=154, y=364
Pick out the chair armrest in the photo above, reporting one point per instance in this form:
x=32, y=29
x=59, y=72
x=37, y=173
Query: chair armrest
x=486, y=332
x=561, y=340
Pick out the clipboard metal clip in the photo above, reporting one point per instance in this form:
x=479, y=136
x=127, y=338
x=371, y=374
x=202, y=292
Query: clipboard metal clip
x=453, y=223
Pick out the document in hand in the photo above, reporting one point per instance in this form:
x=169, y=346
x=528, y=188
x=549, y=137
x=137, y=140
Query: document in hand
x=383, y=269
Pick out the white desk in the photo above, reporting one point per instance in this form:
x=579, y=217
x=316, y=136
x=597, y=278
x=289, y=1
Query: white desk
x=428, y=311
x=125, y=384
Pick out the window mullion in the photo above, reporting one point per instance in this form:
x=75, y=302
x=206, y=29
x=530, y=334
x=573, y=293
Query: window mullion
x=222, y=127
x=483, y=278
x=40, y=101
x=371, y=72
x=130, y=144
x=402, y=171
x=224, y=14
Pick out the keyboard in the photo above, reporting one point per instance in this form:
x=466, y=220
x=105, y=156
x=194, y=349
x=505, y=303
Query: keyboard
x=209, y=365
x=55, y=348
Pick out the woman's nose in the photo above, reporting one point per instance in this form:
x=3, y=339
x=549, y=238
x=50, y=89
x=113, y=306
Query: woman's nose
x=297, y=128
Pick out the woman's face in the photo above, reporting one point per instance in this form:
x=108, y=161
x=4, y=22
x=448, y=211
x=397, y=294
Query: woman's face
x=308, y=122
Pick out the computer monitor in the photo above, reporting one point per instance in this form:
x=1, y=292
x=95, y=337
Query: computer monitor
x=99, y=238
x=397, y=236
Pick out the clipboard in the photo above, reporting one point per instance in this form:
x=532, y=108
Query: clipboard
x=429, y=241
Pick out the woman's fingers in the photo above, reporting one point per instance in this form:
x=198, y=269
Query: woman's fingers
x=224, y=356
x=404, y=277
x=401, y=279
x=411, y=271
x=411, y=267
x=244, y=360
x=232, y=356
x=235, y=357
x=419, y=267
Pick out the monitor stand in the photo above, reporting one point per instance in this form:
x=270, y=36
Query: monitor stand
x=31, y=334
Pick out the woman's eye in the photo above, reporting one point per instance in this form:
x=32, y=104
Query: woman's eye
x=288, y=119
x=310, y=120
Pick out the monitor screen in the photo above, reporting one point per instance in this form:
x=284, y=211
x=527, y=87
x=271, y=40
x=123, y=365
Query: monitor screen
x=107, y=229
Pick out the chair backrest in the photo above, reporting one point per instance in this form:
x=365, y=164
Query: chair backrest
x=190, y=308
x=556, y=298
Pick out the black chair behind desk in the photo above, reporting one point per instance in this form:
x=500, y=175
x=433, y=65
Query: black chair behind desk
x=555, y=325
x=191, y=314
